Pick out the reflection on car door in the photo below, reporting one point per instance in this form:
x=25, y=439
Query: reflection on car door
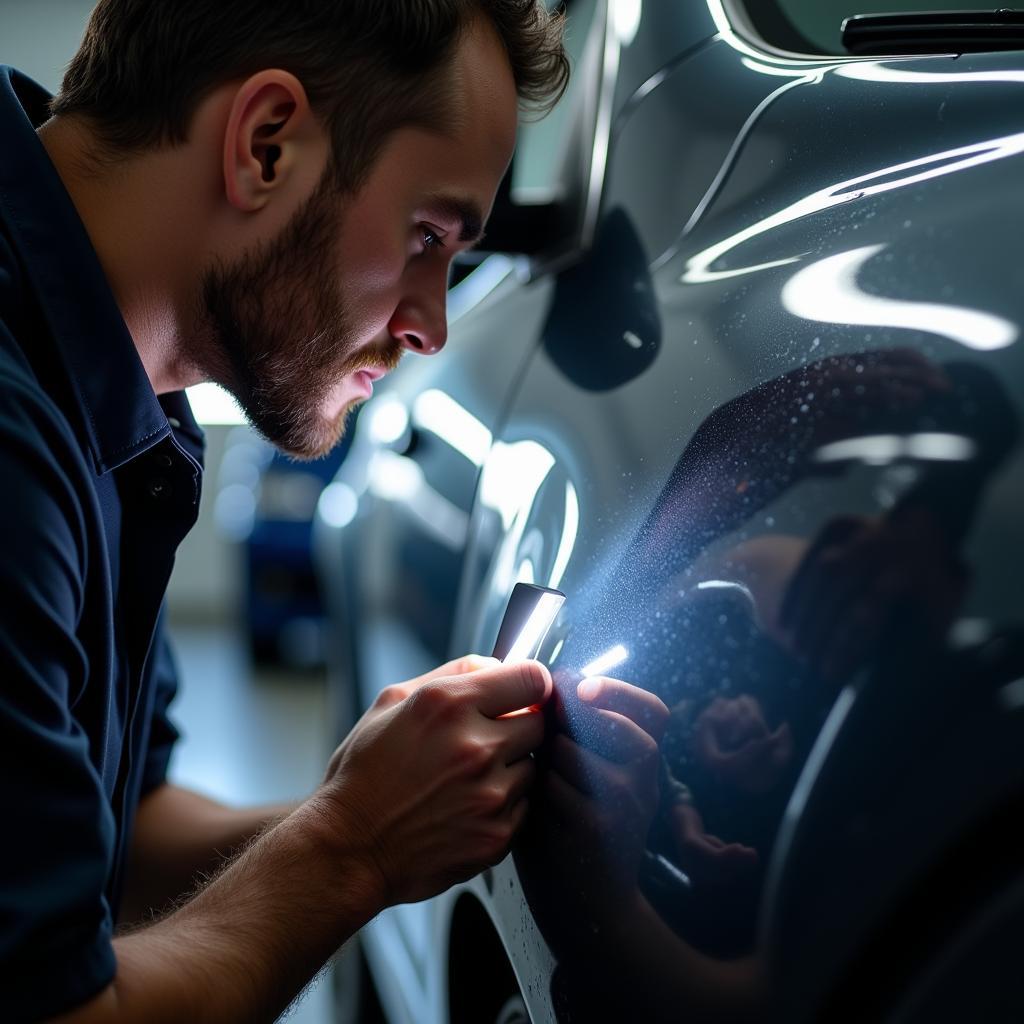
x=772, y=457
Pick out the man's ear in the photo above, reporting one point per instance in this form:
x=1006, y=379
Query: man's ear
x=270, y=130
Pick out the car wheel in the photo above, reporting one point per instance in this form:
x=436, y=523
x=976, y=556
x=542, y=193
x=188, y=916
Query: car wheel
x=513, y=1012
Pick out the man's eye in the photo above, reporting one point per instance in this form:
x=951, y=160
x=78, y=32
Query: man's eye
x=431, y=239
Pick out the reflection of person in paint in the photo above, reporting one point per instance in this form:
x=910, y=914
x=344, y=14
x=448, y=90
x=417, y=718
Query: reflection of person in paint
x=827, y=605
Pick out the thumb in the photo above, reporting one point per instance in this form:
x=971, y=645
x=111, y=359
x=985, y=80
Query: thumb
x=502, y=689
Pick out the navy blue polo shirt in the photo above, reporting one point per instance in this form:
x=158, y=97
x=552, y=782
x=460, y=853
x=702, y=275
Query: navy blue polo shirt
x=99, y=482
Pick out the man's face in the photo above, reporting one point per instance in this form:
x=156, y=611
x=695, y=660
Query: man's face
x=299, y=327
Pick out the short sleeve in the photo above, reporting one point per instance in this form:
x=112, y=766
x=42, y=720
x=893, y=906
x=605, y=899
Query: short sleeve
x=163, y=733
x=55, y=924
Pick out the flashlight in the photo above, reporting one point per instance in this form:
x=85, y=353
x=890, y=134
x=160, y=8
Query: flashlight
x=528, y=616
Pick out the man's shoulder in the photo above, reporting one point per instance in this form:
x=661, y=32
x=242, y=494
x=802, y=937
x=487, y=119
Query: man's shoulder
x=15, y=308
x=24, y=400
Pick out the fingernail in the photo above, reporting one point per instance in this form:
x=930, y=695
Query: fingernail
x=587, y=690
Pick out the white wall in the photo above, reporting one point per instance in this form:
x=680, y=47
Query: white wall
x=40, y=36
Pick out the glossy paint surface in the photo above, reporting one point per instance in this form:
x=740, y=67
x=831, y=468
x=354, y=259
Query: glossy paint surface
x=765, y=435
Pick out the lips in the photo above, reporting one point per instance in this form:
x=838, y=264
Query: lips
x=364, y=381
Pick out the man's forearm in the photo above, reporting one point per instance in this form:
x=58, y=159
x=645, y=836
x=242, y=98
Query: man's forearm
x=243, y=947
x=180, y=836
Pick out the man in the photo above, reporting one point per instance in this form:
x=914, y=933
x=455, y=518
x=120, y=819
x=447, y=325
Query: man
x=269, y=196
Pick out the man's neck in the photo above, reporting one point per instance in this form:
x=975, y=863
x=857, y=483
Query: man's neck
x=131, y=214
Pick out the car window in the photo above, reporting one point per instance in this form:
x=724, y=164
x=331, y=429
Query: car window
x=537, y=176
x=814, y=26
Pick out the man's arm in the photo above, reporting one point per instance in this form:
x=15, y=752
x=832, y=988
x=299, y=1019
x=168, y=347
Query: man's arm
x=427, y=790
x=251, y=939
x=181, y=836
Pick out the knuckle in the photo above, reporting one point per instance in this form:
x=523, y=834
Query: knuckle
x=498, y=839
x=467, y=663
x=647, y=750
x=435, y=700
x=475, y=755
x=491, y=800
x=389, y=695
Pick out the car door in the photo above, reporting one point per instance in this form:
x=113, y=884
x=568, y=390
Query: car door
x=768, y=446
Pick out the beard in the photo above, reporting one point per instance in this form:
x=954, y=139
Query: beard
x=274, y=331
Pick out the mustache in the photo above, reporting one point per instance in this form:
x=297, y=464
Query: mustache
x=386, y=356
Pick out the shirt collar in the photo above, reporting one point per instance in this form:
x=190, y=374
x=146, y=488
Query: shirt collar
x=123, y=417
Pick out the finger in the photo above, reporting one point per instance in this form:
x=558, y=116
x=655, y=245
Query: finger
x=457, y=667
x=500, y=689
x=646, y=709
x=517, y=816
x=564, y=799
x=519, y=780
x=518, y=735
x=586, y=771
x=614, y=737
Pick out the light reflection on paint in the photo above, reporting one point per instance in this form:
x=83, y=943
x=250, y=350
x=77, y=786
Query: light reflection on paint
x=827, y=291
x=602, y=130
x=626, y=15
x=883, y=449
x=393, y=477
x=885, y=179
x=557, y=651
x=512, y=477
x=478, y=284
x=570, y=529
x=526, y=572
x=814, y=75
x=876, y=72
x=439, y=413
x=616, y=656
x=531, y=636
x=733, y=585
x=1010, y=697
x=728, y=34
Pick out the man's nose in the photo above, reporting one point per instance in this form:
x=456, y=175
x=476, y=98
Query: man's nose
x=420, y=321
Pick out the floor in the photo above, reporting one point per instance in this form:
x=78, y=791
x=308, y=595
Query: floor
x=249, y=739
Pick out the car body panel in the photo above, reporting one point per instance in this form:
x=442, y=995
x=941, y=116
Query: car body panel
x=793, y=346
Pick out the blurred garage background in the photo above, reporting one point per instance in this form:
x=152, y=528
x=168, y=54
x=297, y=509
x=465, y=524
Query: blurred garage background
x=243, y=609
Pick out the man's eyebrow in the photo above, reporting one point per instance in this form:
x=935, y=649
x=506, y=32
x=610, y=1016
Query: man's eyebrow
x=460, y=211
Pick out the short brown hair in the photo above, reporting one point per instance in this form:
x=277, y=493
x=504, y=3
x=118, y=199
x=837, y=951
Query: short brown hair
x=368, y=66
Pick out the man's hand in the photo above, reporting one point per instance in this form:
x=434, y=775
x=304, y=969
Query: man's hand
x=733, y=741
x=584, y=844
x=428, y=789
x=431, y=783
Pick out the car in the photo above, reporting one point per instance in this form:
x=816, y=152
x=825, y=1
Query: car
x=742, y=375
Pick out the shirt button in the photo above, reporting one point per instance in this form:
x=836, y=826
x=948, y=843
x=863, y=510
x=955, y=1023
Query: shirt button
x=159, y=489
x=163, y=461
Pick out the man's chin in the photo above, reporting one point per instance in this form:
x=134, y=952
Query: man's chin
x=315, y=439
